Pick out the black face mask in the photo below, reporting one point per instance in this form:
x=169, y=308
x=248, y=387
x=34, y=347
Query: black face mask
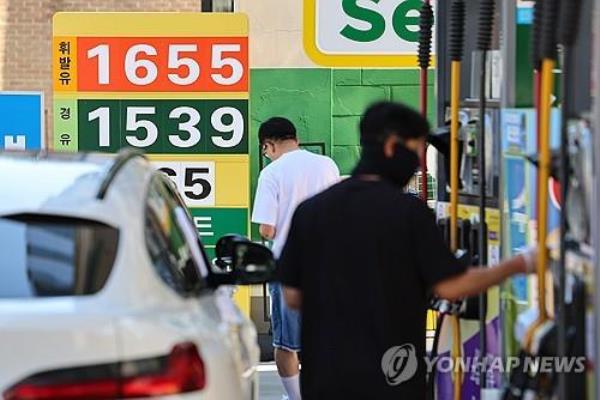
x=398, y=169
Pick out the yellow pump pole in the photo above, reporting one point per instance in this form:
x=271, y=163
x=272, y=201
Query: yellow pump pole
x=544, y=169
x=454, y=153
x=454, y=187
x=544, y=176
x=456, y=48
x=544, y=56
x=550, y=13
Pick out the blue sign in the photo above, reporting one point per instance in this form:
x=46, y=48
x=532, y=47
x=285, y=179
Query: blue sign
x=515, y=128
x=518, y=221
x=21, y=121
x=519, y=140
x=525, y=15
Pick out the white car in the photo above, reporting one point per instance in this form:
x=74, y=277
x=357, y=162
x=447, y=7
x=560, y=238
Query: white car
x=105, y=289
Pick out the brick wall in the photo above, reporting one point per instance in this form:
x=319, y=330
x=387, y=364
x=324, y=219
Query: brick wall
x=26, y=34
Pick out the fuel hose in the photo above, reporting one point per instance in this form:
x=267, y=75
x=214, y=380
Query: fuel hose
x=548, y=55
x=487, y=9
x=427, y=20
x=424, y=58
x=536, y=60
x=568, y=29
x=456, y=50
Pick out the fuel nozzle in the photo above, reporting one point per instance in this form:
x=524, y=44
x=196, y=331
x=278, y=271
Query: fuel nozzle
x=555, y=164
x=466, y=256
x=440, y=140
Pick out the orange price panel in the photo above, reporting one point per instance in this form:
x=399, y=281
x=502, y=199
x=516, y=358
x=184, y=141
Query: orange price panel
x=162, y=64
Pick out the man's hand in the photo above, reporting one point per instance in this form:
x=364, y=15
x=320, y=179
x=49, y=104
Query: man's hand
x=530, y=260
x=267, y=231
x=477, y=280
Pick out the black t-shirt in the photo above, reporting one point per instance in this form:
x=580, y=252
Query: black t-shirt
x=365, y=256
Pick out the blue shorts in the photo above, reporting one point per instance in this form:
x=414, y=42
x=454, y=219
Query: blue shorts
x=284, y=322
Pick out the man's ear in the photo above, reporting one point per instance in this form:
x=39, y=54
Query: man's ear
x=389, y=146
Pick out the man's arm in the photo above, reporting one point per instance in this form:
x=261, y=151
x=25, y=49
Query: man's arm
x=266, y=205
x=267, y=231
x=441, y=271
x=293, y=297
x=476, y=280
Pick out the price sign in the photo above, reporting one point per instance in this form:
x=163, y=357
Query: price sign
x=154, y=126
x=153, y=64
x=195, y=180
x=174, y=85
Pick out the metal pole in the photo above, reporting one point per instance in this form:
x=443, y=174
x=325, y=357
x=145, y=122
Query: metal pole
x=596, y=196
x=486, y=25
x=548, y=53
x=561, y=319
x=482, y=217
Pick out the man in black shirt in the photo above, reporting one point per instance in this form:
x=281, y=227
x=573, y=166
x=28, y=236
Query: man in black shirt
x=361, y=261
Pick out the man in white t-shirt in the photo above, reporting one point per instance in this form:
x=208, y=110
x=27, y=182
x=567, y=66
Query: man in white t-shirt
x=293, y=176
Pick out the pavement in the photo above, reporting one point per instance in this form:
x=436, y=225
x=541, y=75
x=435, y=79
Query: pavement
x=270, y=387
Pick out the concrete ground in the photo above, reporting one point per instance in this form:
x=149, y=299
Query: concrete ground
x=269, y=382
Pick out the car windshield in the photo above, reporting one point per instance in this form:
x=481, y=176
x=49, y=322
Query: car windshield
x=43, y=256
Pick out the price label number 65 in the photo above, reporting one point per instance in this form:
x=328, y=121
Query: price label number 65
x=194, y=180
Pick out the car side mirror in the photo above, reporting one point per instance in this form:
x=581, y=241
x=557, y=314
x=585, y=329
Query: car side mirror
x=252, y=263
x=224, y=251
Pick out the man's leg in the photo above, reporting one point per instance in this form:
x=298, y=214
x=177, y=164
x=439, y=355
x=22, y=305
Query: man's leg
x=286, y=341
x=289, y=371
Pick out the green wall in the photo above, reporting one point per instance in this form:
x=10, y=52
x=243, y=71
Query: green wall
x=326, y=104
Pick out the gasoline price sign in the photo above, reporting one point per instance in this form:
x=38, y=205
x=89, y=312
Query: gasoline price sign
x=174, y=85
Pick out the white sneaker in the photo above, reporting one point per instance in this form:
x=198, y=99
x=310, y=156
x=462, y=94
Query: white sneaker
x=285, y=397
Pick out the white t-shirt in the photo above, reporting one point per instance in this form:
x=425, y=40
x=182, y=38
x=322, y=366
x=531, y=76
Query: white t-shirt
x=287, y=182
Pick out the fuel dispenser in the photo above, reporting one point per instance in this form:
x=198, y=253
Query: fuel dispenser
x=573, y=271
x=479, y=242
x=469, y=181
x=559, y=329
x=533, y=170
